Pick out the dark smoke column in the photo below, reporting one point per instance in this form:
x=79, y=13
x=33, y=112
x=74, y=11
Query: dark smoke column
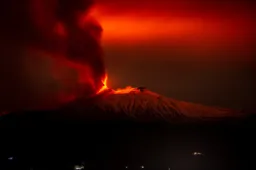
x=83, y=37
x=39, y=63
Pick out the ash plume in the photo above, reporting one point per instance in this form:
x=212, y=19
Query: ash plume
x=50, y=52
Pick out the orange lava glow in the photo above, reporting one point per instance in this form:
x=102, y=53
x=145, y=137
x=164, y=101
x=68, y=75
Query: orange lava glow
x=128, y=89
x=104, y=87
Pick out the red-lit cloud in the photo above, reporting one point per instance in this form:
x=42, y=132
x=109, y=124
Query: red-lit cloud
x=193, y=23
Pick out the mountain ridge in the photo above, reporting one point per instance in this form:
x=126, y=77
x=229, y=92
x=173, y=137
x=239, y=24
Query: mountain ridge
x=134, y=105
x=144, y=104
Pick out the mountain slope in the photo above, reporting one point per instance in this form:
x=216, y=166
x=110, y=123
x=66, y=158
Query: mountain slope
x=132, y=105
x=142, y=104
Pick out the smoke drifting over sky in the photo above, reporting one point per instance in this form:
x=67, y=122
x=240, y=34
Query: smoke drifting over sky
x=50, y=52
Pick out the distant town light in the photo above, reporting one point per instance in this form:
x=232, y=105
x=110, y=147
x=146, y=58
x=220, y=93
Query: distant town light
x=79, y=167
x=10, y=158
x=198, y=154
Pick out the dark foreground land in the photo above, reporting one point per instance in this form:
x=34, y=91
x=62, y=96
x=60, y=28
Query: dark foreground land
x=34, y=141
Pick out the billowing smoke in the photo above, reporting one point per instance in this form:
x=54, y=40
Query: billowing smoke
x=50, y=53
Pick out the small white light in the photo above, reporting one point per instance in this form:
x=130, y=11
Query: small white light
x=126, y=167
x=10, y=158
x=77, y=167
x=142, y=167
x=197, y=153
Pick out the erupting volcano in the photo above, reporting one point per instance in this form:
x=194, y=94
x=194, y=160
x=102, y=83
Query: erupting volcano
x=67, y=40
x=141, y=104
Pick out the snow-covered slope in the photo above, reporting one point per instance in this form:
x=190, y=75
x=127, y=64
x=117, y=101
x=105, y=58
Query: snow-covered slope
x=138, y=104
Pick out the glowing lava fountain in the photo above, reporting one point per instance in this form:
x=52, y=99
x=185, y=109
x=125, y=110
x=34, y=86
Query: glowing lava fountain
x=104, y=87
x=128, y=89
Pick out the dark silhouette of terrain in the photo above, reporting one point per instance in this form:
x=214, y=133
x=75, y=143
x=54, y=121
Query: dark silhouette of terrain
x=132, y=106
x=112, y=131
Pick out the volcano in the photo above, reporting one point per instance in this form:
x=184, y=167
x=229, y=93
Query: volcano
x=70, y=41
x=129, y=104
x=141, y=104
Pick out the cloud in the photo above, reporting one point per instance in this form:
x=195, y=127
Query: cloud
x=50, y=52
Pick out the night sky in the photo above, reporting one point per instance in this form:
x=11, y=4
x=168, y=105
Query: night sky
x=191, y=50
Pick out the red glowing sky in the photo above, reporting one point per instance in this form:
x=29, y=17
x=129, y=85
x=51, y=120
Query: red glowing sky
x=193, y=22
x=194, y=50
x=200, y=51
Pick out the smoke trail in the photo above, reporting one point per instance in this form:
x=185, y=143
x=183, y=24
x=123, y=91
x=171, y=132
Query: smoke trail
x=50, y=52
